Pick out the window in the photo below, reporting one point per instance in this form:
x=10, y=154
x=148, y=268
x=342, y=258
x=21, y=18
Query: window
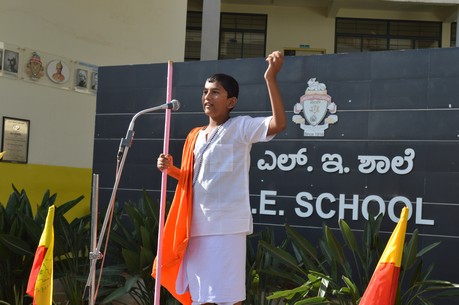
x=453, y=34
x=362, y=35
x=242, y=35
x=193, y=36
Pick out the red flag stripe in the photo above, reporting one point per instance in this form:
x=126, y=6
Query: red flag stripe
x=40, y=285
x=37, y=262
x=382, y=288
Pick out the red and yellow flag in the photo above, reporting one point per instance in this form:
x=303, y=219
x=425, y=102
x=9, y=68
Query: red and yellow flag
x=40, y=286
x=382, y=288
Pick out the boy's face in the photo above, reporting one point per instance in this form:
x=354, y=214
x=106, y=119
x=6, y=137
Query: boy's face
x=215, y=101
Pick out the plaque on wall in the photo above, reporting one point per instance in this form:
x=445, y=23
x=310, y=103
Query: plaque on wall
x=15, y=140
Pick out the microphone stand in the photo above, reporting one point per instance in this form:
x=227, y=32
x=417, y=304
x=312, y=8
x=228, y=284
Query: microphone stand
x=123, y=150
x=92, y=274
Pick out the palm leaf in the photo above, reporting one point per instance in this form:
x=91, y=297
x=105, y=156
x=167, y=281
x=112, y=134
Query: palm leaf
x=313, y=301
x=428, y=248
x=288, y=294
x=335, y=249
x=410, y=251
x=16, y=245
x=349, y=238
x=283, y=256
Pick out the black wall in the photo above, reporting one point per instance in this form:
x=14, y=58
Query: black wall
x=387, y=102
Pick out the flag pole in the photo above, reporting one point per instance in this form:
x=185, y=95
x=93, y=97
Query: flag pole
x=162, y=208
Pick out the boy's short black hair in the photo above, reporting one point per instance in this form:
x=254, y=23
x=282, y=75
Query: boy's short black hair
x=228, y=82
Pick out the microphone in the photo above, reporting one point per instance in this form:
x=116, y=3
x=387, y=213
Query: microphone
x=174, y=105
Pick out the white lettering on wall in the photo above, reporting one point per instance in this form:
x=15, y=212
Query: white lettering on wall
x=305, y=204
x=285, y=162
x=382, y=164
x=325, y=196
x=333, y=163
x=264, y=202
x=326, y=206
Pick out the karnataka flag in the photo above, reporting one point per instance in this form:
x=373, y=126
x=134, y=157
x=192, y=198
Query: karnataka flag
x=40, y=286
x=382, y=288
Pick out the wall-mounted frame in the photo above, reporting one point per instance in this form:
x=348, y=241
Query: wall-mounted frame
x=1, y=57
x=15, y=140
x=58, y=71
x=81, y=80
x=11, y=62
x=94, y=80
x=30, y=65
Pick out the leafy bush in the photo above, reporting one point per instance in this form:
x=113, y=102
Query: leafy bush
x=20, y=233
x=337, y=272
x=134, y=235
x=294, y=272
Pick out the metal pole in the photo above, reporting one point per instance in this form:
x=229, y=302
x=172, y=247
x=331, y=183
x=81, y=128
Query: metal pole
x=97, y=254
x=162, y=208
x=94, y=211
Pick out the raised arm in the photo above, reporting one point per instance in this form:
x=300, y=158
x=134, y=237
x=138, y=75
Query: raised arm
x=279, y=121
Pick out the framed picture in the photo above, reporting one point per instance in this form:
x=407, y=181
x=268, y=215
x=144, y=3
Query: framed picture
x=94, y=80
x=11, y=62
x=58, y=71
x=15, y=140
x=1, y=60
x=81, y=78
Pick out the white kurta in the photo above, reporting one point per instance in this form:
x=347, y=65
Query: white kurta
x=221, y=193
x=213, y=268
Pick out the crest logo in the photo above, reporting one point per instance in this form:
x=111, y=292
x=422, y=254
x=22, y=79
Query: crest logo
x=318, y=110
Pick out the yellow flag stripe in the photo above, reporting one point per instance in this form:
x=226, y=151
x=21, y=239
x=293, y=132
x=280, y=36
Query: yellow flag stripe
x=394, y=249
x=43, y=294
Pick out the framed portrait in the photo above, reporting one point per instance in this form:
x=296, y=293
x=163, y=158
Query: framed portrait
x=81, y=79
x=11, y=62
x=15, y=140
x=94, y=80
x=58, y=71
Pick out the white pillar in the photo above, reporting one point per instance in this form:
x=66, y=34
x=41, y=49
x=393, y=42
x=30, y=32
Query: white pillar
x=210, y=29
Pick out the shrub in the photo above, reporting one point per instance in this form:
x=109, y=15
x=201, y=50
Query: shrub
x=337, y=272
x=20, y=233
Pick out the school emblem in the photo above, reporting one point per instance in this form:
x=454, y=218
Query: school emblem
x=318, y=110
x=34, y=68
